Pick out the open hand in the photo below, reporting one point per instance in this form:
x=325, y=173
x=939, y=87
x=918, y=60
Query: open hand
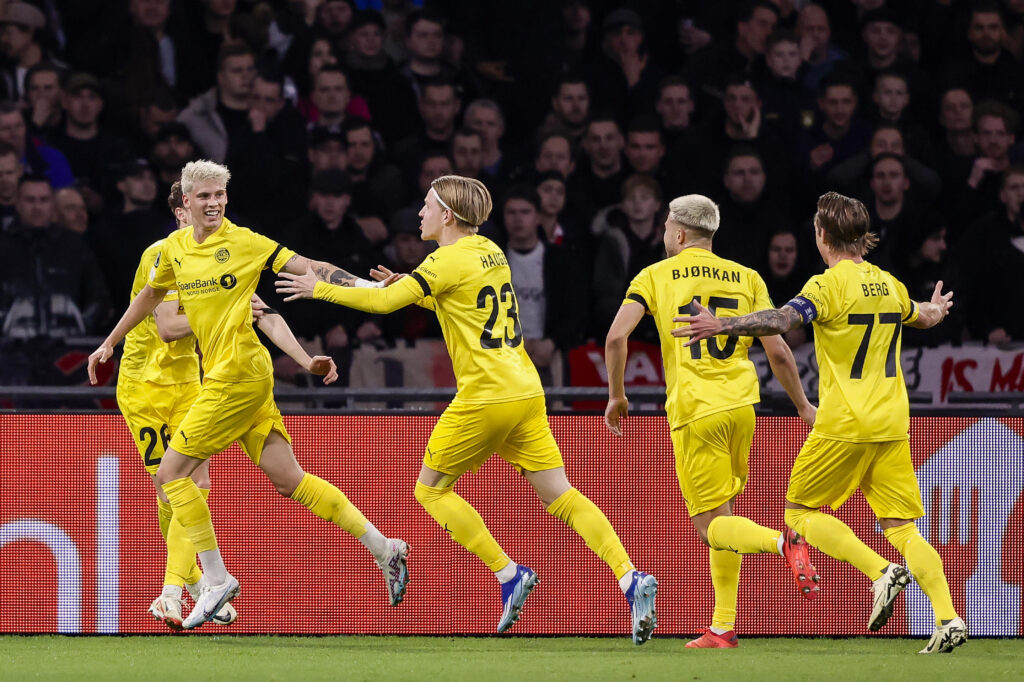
x=703, y=325
x=296, y=286
x=323, y=365
x=384, y=276
x=944, y=301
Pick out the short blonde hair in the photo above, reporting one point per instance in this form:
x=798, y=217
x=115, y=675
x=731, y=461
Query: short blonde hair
x=467, y=198
x=695, y=212
x=200, y=171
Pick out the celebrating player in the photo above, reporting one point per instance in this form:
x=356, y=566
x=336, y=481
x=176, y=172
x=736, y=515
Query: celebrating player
x=860, y=435
x=499, y=405
x=157, y=381
x=710, y=396
x=215, y=267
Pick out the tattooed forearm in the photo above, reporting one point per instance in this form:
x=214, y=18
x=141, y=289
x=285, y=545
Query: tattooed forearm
x=332, y=274
x=762, y=323
x=290, y=262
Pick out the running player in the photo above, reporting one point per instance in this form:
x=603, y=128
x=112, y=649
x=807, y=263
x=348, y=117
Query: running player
x=710, y=396
x=215, y=267
x=499, y=405
x=157, y=381
x=860, y=435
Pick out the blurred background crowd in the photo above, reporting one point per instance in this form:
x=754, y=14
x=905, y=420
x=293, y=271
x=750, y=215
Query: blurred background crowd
x=583, y=118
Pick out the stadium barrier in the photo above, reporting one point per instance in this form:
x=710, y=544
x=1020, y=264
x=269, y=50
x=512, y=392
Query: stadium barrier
x=80, y=549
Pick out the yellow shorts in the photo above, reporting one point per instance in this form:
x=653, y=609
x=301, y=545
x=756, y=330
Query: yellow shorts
x=467, y=435
x=711, y=457
x=152, y=413
x=827, y=472
x=226, y=412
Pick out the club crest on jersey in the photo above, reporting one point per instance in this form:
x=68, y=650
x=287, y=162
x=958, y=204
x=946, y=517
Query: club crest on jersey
x=228, y=281
x=222, y=255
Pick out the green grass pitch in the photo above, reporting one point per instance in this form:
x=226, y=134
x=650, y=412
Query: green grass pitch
x=186, y=658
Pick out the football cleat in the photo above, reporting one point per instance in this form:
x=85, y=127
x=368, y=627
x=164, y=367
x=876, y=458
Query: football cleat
x=396, y=572
x=794, y=549
x=711, y=640
x=513, y=596
x=886, y=588
x=640, y=595
x=168, y=611
x=946, y=637
x=211, y=600
x=226, y=616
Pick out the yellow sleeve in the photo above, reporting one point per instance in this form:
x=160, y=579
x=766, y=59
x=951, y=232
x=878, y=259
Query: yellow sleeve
x=908, y=306
x=815, y=300
x=641, y=290
x=273, y=254
x=371, y=300
x=161, y=275
x=438, y=273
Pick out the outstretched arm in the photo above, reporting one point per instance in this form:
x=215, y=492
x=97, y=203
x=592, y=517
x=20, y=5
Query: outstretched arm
x=780, y=357
x=760, y=323
x=615, y=351
x=326, y=272
x=930, y=313
x=140, y=308
x=371, y=300
x=277, y=330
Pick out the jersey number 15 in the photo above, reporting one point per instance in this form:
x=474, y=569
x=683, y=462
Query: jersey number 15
x=715, y=303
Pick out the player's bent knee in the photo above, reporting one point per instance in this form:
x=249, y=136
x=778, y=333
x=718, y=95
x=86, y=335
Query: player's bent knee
x=426, y=494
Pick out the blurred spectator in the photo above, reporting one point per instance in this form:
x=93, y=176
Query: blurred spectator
x=90, y=149
x=267, y=155
x=439, y=105
x=555, y=153
x=549, y=289
x=21, y=28
x=42, y=97
x=467, y=153
x=378, y=189
x=485, y=117
x=52, y=285
x=839, y=132
x=333, y=19
x=154, y=113
x=330, y=99
x=956, y=110
x=882, y=34
x=710, y=68
x=630, y=240
x=891, y=99
x=550, y=187
x=988, y=70
x=432, y=166
x=70, y=211
x=172, y=149
x=921, y=264
x=816, y=49
x=121, y=237
x=11, y=171
x=624, y=76
x=893, y=219
x=992, y=263
x=37, y=157
x=675, y=108
x=601, y=173
x=995, y=128
x=403, y=254
x=570, y=108
x=327, y=151
x=222, y=112
x=786, y=103
x=851, y=177
x=373, y=75
x=424, y=42
x=645, y=153
x=784, y=277
x=748, y=217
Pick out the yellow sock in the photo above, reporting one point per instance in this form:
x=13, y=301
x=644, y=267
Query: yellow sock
x=926, y=565
x=741, y=535
x=191, y=511
x=592, y=525
x=326, y=501
x=181, y=553
x=463, y=523
x=835, y=538
x=725, y=577
x=164, y=513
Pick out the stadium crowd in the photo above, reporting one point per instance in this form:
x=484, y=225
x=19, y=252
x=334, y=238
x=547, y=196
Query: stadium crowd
x=582, y=117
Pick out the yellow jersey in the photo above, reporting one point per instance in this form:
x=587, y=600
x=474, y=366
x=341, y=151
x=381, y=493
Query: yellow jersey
x=858, y=311
x=469, y=285
x=714, y=375
x=215, y=282
x=146, y=357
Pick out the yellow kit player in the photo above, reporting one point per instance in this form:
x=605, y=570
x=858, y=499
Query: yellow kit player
x=157, y=381
x=215, y=266
x=711, y=389
x=499, y=404
x=860, y=435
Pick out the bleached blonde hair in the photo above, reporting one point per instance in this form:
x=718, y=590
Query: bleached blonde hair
x=195, y=172
x=467, y=198
x=695, y=212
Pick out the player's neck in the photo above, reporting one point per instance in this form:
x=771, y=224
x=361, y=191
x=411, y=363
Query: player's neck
x=451, y=234
x=202, y=233
x=834, y=258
